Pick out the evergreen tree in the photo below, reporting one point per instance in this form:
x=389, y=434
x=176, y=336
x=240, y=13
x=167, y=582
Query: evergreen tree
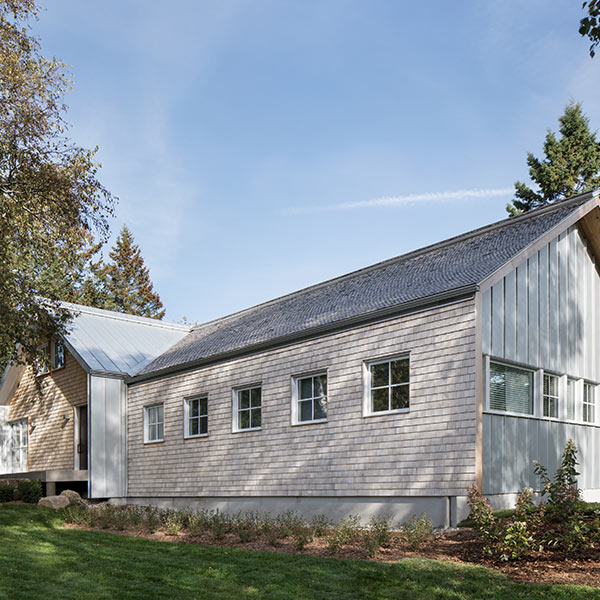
x=571, y=166
x=127, y=280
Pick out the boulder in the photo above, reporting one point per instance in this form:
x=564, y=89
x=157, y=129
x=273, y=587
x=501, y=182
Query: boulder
x=73, y=497
x=55, y=502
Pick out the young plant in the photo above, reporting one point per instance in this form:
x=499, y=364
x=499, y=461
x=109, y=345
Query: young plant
x=344, y=533
x=416, y=531
x=320, y=525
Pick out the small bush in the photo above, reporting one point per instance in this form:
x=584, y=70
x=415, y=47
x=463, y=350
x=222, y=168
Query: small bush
x=302, y=535
x=174, y=522
x=246, y=526
x=7, y=493
x=271, y=530
x=151, y=518
x=198, y=523
x=220, y=524
x=483, y=517
x=320, y=525
x=416, y=531
x=379, y=534
x=29, y=491
x=288, y=522
x=344, y=533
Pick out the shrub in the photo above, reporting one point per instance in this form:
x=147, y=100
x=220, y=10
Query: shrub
x=320, y=525
x=174, y=522
x=220, y=524
x=516, y=541
x=271, y=530
x=483, y=517
x=288, y=522
x=7, y=493
x=29, y=491
x=302, y=535
x=152, y=518
x=246, y=525
x=416, y=531
x=344, y=533
x=198, y=523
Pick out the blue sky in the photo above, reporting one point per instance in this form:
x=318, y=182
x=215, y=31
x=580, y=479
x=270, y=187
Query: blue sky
x=260, y=146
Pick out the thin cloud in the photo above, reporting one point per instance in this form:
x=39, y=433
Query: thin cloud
x=408, y=199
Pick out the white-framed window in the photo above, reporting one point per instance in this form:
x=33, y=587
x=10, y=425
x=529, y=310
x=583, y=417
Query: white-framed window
x=511, y=389
x=196, y=416
x=54, y=351
x=589, y=402
x=309, y=398
x=154, y=423
x=387, y=386
x=247, y=408
x=571, y=397
x=550, y=396
x=18, y=446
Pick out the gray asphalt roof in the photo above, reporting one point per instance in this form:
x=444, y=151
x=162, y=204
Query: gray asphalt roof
x=454, y=264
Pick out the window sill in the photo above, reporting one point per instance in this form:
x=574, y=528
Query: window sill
x=397, y=411
x=195, y=437
x=153, y=441
x=246, y=430
x=313, y=422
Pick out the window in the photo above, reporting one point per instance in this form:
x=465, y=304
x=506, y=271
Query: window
x=511, y=389
x=54, y=352
x=154, y=423
x=309, y=399
x=589, y=403
x=18, y=446
x=571, y=393
x=387, y=385
x=247, y=408
x=550, y=396
x=196, y=417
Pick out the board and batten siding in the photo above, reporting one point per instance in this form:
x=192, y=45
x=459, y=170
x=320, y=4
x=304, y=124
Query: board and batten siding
x=544, y=314
x=428, y=451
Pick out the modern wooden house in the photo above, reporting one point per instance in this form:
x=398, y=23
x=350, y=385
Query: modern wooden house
x=391, y=389
x=73, y=433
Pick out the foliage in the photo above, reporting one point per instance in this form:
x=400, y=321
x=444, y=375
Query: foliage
x=174, y=522
x=7, y=492
x=51, y=201
x=246, y=526
x=220, y=524
x=571, y=165
x=589, y=26
x=320, y=525
x=416, y=531
x=29, y=491
x=345, y=532
x=378, y=535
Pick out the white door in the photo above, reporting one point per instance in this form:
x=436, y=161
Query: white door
x=18, y=446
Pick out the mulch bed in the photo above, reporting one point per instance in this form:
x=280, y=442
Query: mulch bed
x=461, y=545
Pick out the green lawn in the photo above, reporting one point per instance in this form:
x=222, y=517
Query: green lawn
x=39, y=559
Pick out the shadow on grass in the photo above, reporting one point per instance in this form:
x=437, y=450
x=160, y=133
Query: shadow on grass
x=39, y=559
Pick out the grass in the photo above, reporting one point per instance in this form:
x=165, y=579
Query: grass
x=39, y=559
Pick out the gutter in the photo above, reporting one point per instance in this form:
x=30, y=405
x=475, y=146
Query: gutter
x=389, y=312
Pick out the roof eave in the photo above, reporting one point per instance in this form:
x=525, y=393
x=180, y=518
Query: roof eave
x=390, y=312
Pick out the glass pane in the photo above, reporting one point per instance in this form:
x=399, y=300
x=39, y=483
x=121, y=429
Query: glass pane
x=511, y=389
x=380, y=375
x=399, y=397
x=160, y=412
x=305, y=388
x=203, y=406
x=380, y=399
x=203, y=424
x=399, y=370
x=321, y=408
x=255, y=417
x=59, y=354
x=152, y=432
x=194, y=430
x=193, y=408
x=160, y=431
x=570, y=399
x=244, y=398
x=244, y=419
x=320, y=386
x=255, y=397
x=305, y=410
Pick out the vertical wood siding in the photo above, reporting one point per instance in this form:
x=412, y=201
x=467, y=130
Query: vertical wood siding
x=544, y=313
x=428, y=451
x=51, y=442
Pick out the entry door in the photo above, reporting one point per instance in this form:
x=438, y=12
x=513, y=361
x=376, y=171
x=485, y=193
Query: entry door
x=82, y=436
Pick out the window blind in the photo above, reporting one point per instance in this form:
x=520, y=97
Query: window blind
x=511, y=389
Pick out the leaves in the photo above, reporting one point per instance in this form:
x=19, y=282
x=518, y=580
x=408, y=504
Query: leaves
x=589, y=26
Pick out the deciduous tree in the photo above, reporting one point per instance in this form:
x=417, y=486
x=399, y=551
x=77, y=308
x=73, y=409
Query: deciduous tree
x=589, y=26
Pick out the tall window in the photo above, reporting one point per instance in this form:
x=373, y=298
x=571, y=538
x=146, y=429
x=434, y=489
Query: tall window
x=154, y=423
x=550, y=396
x=54, y=351
x=571, y=394
x=511, y=389
x=589, y=403
x=388, y=385
x=247, y=408
x=18, y=446
x=310, y=399
x=196, y=416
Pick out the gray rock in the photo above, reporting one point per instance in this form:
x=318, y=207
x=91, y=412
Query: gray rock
x=74, y=497
x=55, y=502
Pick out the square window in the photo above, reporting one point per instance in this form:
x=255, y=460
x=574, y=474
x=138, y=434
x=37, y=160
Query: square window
x=511, y=389
x=388, y=386
x=196, y=416
x=154, y=423
x=309, y=398
x=247, y=408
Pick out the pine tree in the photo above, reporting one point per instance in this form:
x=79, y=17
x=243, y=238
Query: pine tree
x=127, y=280
x=571, y=166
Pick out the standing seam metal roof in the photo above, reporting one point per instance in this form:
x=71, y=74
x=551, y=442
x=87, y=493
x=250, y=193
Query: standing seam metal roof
x=454, y=264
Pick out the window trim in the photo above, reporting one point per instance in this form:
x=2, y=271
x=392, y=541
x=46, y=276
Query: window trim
x=147, y=408
x=367, y=408
x=295, y=398
x=235, y=411
x=186, y=418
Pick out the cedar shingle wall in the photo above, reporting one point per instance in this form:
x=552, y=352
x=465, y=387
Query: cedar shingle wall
x=51, y=441
x=429, y=451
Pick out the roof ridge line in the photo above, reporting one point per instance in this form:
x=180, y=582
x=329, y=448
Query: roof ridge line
x=407, y=255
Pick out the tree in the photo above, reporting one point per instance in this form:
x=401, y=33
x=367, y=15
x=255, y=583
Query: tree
x=571, y=166
x=590, y=25
x=128, y=285
x=51, y=202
